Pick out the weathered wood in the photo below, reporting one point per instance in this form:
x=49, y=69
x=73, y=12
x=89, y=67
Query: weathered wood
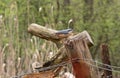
x=58, y=58
x=46, y=33
x=49, y=34
x=106, y=60
x=61, y=54
x=81, y=69
x=83, y=35
x=42, y=32
x=78, y=52
x=46, y=74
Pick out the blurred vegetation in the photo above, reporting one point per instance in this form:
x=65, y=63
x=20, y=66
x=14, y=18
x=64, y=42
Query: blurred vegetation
x=19, y=49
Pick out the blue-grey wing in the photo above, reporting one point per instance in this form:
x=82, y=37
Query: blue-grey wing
x=64, y=31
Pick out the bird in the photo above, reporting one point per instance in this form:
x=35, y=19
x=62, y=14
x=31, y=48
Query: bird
x=64, y=33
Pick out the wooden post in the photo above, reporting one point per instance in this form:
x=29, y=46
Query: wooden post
x=81, y=69
x=78, y=52
x=106, y=60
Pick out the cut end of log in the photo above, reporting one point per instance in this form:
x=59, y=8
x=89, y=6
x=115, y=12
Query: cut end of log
x=89, y=38
x=30, y=27
x=83, y=35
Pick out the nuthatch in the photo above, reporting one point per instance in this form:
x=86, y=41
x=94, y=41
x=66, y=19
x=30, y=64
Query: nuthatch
x=64, y=33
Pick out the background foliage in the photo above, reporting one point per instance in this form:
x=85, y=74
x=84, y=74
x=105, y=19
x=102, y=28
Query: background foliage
x=18, y=49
